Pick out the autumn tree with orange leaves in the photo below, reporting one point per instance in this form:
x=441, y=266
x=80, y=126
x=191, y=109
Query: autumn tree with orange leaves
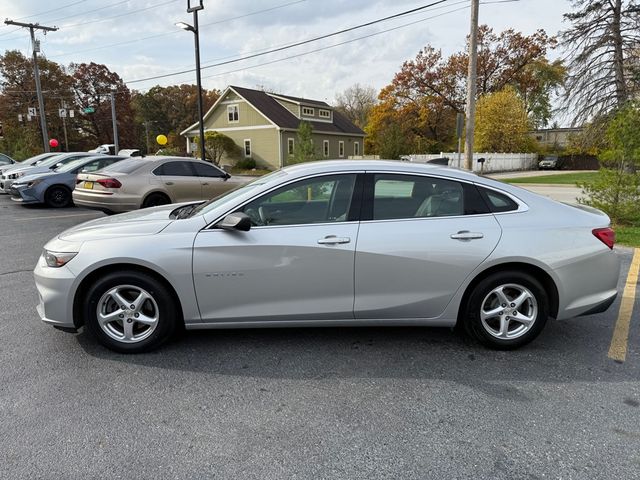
x=419, y=107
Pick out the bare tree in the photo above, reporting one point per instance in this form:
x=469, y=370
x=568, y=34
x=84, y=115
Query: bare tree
x=356, y=103
x=602, y=47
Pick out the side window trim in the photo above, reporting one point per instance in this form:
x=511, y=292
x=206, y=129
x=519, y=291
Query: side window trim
x=360, y=177
x=369, y=192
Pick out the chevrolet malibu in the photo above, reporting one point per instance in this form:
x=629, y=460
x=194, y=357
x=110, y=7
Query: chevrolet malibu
x=334, y=243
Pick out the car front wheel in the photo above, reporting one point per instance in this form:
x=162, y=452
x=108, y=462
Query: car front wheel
x=506, y=310
x=130, y=312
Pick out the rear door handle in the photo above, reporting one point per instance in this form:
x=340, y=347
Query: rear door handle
x=168, y=183
x=467, y=235
x=333, y=240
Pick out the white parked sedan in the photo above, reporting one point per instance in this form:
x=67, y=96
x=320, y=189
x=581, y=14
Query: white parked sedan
x=334, y=243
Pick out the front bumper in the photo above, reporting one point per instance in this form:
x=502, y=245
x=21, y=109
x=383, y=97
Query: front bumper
x=5, y=185
x=24, y=194
x=55, y=288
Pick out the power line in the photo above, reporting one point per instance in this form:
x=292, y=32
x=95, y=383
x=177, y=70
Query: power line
x=297, y=44
x=341, y=43
x=106, y=19
x=175, y=32
x=52, y=10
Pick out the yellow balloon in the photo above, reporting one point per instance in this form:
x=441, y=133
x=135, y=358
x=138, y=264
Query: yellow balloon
x=161, y=139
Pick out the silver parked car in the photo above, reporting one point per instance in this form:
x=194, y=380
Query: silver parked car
x=5, y=170
x=335, y=243
x=54, y=187
x=151, y=181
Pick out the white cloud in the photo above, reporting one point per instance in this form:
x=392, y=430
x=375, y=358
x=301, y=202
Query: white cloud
x=372, y=61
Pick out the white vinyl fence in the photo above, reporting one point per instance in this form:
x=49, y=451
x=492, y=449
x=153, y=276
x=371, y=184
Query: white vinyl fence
x=494, y=162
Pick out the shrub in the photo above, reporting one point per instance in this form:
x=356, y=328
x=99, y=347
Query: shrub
x=246, y=164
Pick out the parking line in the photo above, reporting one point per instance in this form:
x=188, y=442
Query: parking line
x=53, y=216
x=618, y=347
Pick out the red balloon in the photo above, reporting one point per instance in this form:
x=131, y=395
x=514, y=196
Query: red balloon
x=53, y=143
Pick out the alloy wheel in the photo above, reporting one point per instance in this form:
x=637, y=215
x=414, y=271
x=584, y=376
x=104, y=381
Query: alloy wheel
x=127, y=313
x=509, y=311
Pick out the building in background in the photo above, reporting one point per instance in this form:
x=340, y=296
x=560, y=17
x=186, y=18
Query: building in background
x=265, y=126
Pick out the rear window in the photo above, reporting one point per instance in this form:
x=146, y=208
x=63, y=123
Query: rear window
x=125, y=166
x=498, y=202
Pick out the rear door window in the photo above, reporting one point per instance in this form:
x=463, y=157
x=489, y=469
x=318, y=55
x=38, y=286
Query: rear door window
x=204, y=170
x=498, y=202
x=175, y=169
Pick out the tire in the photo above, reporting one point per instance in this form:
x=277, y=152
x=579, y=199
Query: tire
x=58, y=196
x=148, y=320
x=155, y=200
x=525, y=299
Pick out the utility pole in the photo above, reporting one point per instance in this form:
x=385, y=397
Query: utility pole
x=113, y=120
x=471, y=86
x=146, y=136
x=63, y=105
x=36, y=72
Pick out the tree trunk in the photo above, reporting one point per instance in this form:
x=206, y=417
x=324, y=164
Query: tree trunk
x=618, y=56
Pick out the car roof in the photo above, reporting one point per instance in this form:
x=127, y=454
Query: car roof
x=322, y=166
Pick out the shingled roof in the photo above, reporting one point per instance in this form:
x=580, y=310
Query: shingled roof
x=283, y=118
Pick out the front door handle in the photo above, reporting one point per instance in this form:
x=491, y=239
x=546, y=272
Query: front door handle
x=333, y=240
x=467, y=235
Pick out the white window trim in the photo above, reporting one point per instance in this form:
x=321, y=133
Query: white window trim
x=325, y=151
x=323, y=111
x=291, y=142
x=356, y=149
x=230, y=109
x=341, y=149
x=308, y=109
x=244, y=148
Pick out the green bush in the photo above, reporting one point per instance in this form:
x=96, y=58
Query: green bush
x=246, y=164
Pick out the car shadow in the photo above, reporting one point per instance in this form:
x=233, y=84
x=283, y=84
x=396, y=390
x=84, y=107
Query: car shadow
x=563, y=353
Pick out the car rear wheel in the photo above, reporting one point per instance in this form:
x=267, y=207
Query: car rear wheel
x=506, y=310
x=57, y=197
x=155, y=200
x=130, y=312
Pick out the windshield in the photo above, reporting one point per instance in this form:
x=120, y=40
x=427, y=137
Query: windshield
x=67, y=167
x=230, y=195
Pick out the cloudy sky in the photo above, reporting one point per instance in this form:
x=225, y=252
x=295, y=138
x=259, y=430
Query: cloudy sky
x=138, y=38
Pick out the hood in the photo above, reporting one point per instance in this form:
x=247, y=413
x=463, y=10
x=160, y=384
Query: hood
x=30, y=177
x=148, y=221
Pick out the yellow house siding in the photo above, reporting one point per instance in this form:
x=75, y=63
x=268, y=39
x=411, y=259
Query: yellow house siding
x=292, y=107
x=264, y=146
x=318, y=139
x=247, y=116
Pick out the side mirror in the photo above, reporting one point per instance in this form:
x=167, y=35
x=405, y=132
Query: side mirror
x=236, y=221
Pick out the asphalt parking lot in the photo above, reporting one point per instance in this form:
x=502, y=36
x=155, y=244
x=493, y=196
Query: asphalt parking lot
x=394, y=403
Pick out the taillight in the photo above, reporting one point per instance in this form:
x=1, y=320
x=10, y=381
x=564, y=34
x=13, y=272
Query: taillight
x=109, y=183
x=606, y=236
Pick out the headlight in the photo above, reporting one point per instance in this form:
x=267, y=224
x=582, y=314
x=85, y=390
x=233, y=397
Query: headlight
x=34, y=183
x=57, y=259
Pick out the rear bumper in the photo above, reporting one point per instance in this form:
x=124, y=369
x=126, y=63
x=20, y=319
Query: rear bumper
x=589, y=285
x=105, y=203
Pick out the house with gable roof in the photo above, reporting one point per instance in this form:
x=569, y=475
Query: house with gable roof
x=265, y=126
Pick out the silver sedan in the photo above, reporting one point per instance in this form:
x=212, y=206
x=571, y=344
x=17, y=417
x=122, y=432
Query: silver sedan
x=334, y=243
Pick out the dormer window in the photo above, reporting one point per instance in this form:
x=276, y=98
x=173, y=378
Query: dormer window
x=308, y=111
x=324, y=113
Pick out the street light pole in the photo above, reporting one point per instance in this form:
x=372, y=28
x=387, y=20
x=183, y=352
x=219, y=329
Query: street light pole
x=199, y=83
x=36, y=73
x=196, y=32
